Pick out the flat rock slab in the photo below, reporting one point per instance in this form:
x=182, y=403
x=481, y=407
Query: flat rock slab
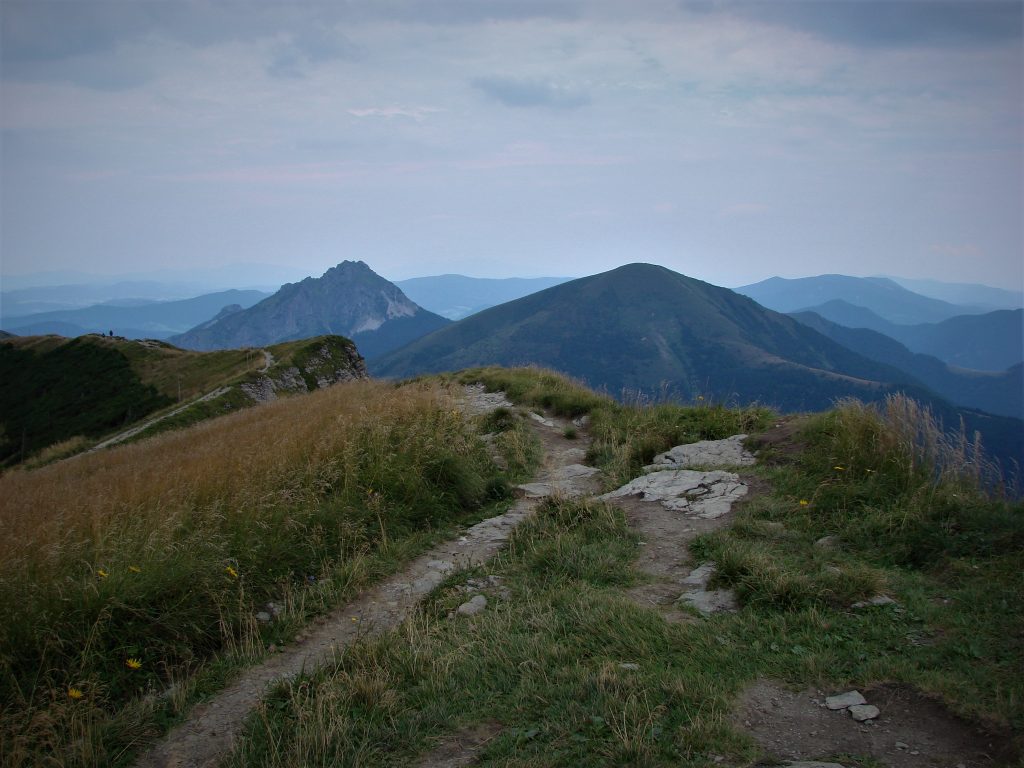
x=862, y=712
x=476, y=400
x=702, y=494
x=572, y=480
x=707, y=453
x=705, y=600
x=710, y=601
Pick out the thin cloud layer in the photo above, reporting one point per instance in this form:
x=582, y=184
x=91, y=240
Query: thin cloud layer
x=729, y=140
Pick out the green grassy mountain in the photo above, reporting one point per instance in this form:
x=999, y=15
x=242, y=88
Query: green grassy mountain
x=348, y=300
x=643, y=329
x=641, y=326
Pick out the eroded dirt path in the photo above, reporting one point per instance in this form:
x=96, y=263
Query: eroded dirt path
x=213, y=726
x=132, y=432
x=679, y=504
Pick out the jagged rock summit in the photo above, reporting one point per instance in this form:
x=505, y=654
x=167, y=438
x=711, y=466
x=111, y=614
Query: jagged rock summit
x=349, y=300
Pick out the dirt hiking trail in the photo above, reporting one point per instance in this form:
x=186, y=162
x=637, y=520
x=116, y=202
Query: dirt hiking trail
x=685, y=492
x=120, y=437
x=212, y=727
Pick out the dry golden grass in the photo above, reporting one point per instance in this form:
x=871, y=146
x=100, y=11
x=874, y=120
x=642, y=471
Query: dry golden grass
x=244, y=463
x=127, y=570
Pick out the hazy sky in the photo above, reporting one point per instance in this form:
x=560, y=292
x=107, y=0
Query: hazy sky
x=730, y=141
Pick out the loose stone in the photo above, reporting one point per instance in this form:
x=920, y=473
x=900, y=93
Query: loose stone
x=844, y=700
x=862, y=712
x=473, y=606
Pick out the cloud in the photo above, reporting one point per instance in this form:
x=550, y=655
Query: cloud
x=956, y=250
x=416, y=113
x=953, y=23
x=311, y=45
x=525, y=154
x=516, y=92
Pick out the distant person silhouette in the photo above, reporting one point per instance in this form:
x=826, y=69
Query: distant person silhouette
x=111, y=334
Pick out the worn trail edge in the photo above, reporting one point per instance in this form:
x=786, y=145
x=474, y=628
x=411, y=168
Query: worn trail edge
x=207, y=736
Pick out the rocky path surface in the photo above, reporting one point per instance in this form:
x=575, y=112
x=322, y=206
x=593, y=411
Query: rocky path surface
x=669, y=506
x=212, y=727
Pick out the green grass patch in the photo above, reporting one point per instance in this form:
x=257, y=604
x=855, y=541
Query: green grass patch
x=537, y=387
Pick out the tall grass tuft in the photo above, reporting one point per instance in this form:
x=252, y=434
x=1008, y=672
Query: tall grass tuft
x=122, y=571
x=911, y=440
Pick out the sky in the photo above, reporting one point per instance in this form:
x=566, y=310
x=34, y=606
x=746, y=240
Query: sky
x=729, y=141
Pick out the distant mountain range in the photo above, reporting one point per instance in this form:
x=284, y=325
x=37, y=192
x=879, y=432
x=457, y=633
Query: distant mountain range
x=457, y=296
x=884, y=297
x=349, y=300
x=965, y=294
x=1000, y=393
x=139, y=320
x=993, y=341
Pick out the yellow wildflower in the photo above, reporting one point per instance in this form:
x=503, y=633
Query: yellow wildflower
x=134, y=569
x=231, y=572
x=133, y=663
x=804, y=502
x=75, y=693
x=101, y=573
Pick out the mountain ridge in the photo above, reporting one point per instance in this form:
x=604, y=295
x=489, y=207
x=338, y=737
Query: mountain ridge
x=349, y=300
x=885, y=297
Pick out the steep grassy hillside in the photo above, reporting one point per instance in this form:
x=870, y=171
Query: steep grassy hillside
x=644, y=329
x=55, y=389
x=65, y=394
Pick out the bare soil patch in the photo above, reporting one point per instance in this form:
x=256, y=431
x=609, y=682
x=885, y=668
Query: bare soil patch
x=663, y=554
x=779, y=444
x=912, y=731
x=461, y=748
